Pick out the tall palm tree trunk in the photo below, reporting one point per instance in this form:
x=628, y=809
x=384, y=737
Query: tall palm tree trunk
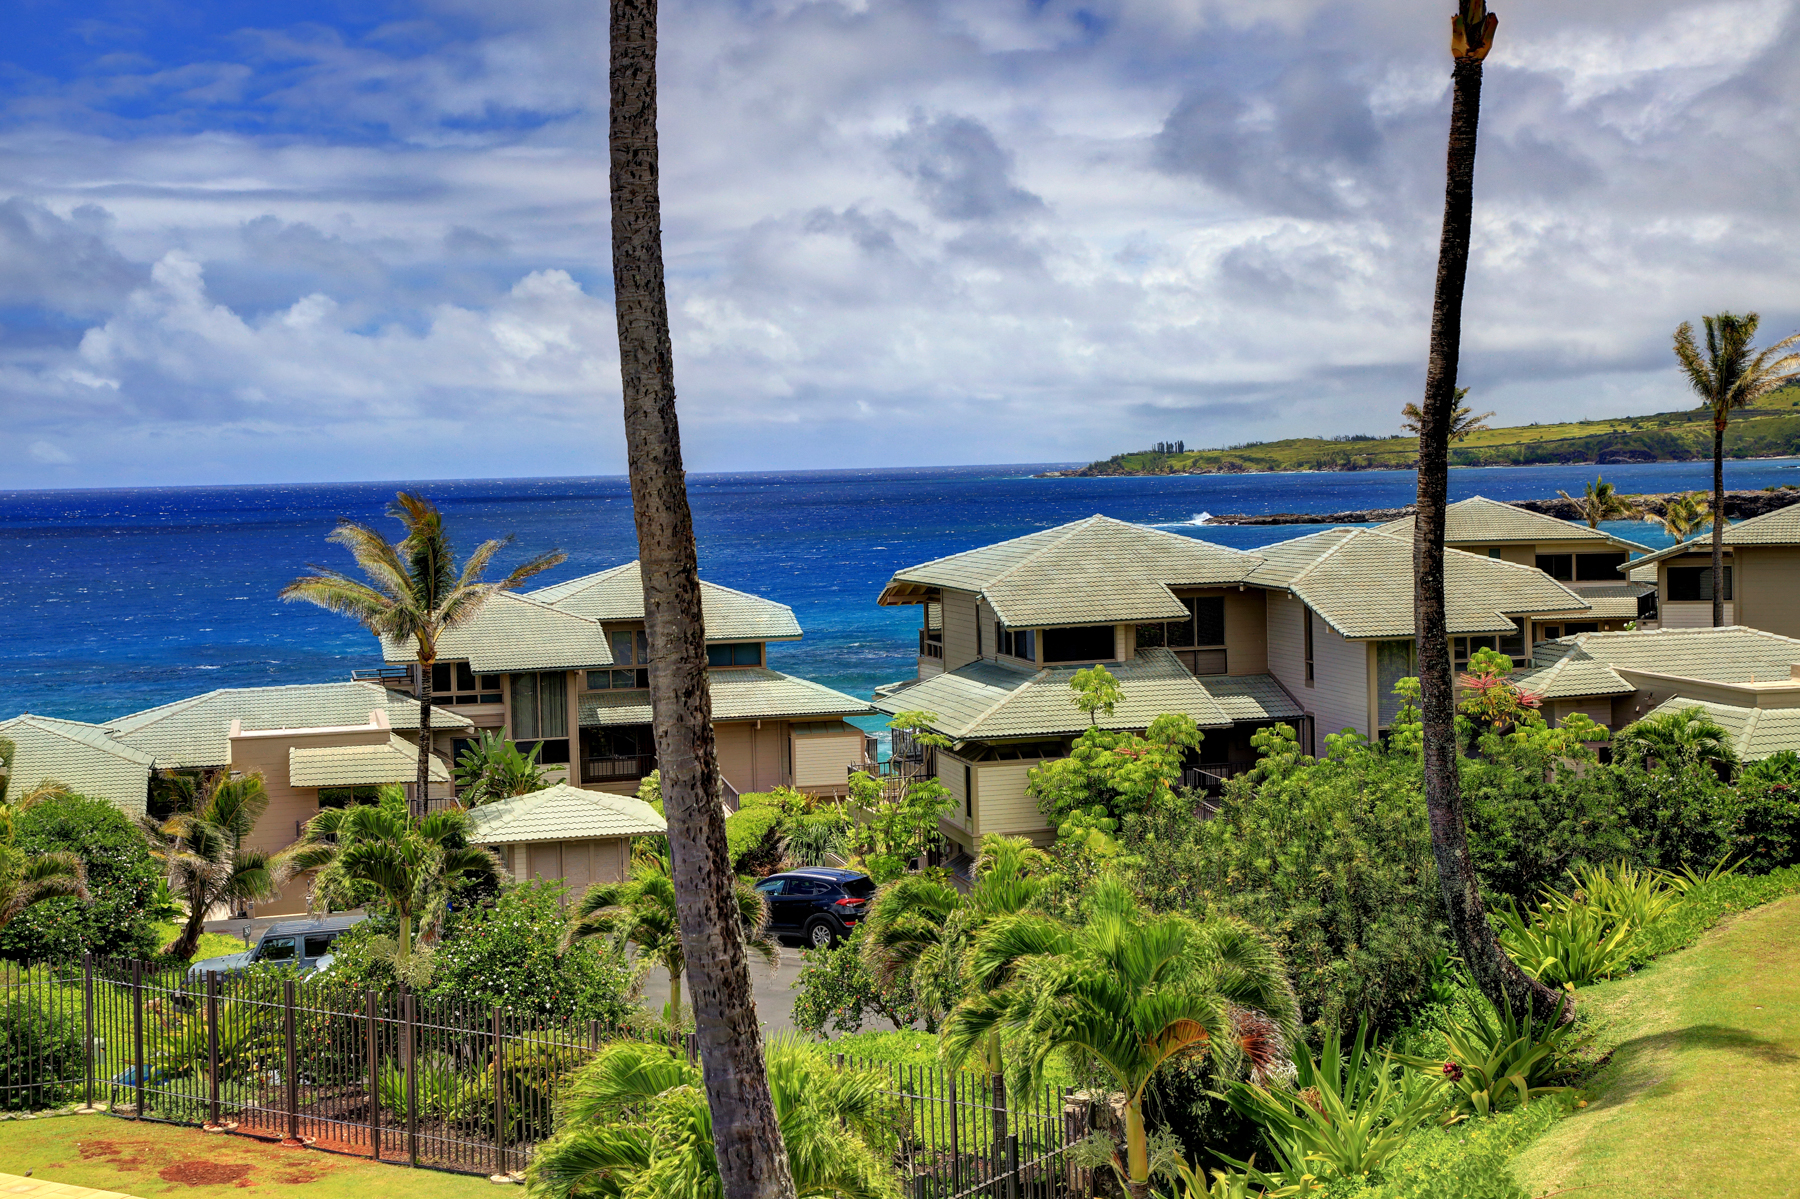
x=1500, y=979
x=752, y=1160
x=1718, y=524
x=423, y=779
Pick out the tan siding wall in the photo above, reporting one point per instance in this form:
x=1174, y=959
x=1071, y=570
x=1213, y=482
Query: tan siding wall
x=1287, y=646
x=736, y=760
x=959, y=629
x=1688, y=615
x=1340, y=694
x=1524, y=555
x=1001, y=805
x=1598, y=710
x=950, y=773
x=1246, y=632
x=984, y=620
x=580, y=864
x=1766, y=585
x=771, y=747
x=822, y=761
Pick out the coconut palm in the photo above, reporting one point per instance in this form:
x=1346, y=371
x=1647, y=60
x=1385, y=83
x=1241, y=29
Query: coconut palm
x=1730, y=374
x=744, y=1124
x=920, y=928
x=205, y=858
x=1462, y=421
x=634, y=1122
x=1471, y=37
x=409, y=862
x=1683, y=514
x=1685, y=735
x=643, y=912
x=414, y=592
x=1128, y=990
x=1601, y=501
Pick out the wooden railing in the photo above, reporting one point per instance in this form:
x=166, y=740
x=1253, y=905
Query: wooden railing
x=606, y=770
x=931, y=645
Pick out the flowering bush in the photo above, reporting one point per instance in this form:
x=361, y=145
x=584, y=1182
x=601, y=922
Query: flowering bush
x=506, y=954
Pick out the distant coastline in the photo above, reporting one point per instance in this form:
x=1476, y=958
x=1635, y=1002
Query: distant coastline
x=1739, y=505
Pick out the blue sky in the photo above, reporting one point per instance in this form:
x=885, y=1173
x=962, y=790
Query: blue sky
x=280, y=241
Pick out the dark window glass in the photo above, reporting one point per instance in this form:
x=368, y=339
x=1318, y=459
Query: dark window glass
x=554, y=753
x=1513, y=646
x=599, y=680
x=860, y=888
x=318, y=945
x=443, y=677
x=1599, y=568
x=1179, y=634
x=643, y=679
x=643, y=646
x=1149, y=636
x=343, y=797
x=718, y=655
x=276, y=949
x=1583, y=626
x=1549, y=632
x=465, y=678
x=1694, y=583
x=772, y=887
x=1088, y=644
x=1309, y=647
x=1557, y=566
x=747, y=654
x=492, y=697
x=1209, y=619
x=621, y=648
x=807, y=887
x=1493, y=551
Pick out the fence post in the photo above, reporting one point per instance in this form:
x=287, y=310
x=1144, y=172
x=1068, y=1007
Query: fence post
x=137, y=1037
x=412, y=1079
x=1012, y=1166
x=87, y=1014
x=499, y=1096
x=374, y=1075
x=212, y=1046
x=998, y=1153
x=955, y=1145
x=292, y=1071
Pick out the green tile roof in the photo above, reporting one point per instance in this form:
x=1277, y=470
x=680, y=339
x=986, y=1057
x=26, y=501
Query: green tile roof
x=617, y=595
x=81, y=756
x=1560, y=670
x=740, y=693
x=196, y=731
x=515, y=632
x=986, y=701
x=1780, y=527
x=1361, y=583
x=1611, y=603
x=1478, y=520
x=564, y=813
x=1253, y=697
x=1093, y=571
x=1587, y=663
x=396, y=761
x=1755, y=732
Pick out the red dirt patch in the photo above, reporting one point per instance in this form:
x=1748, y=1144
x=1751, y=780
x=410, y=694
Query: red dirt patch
x=298, y=1179
x=202, y=1173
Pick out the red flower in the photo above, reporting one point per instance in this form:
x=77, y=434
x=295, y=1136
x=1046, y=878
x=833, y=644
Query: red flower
x=1453, y=1072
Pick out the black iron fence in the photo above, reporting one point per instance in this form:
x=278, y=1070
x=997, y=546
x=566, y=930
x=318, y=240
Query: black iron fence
x=427, y=1081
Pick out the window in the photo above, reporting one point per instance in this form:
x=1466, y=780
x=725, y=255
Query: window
x=1513, y=644
x=1558, y=566
x=455, y=683
x=859, y=888
x=1205, y=626
x=1394, y=660
x=1019, y=643
x=744, y=653
x=618, y=680
x=1091, y=643
x=1599, y=568
x=552, y=752
x=540, y=707
x=317, y=945
x=1493, y=551
x=1691, y=584
x=275, y=949
x=968, y=792
x=1549, y=632
x=1309, y=647
x=772, y=887
x=1581, y=626
x=629, y=648
x=1463, y=648
x=343, y=797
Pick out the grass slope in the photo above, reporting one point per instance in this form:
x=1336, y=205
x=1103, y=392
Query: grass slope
x=146, y=1159
x=1769, y=429
x=212, y=945
x=1701, y=1094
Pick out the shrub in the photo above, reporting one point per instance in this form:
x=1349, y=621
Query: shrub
x=836, y=993
x=40, y=1047
x=1494, y=1062
x=1766, y=835
x=440, y=1089
x=806, y=840
x=753, y=836
x=121, y=878
x=1470, y=1160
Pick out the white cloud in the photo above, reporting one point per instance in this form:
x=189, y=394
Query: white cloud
x=43, y=451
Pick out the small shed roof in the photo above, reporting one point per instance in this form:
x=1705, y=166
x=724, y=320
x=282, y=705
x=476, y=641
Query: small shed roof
x=1479, y=520
x=1780, y=527
x=516, y=632
x=80, y=756
x=564, y=813
x=738, y=693
x=395, y=761
x=1756, y=733
x=617, y=595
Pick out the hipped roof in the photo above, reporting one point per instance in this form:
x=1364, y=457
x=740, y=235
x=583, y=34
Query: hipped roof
x=617, y=596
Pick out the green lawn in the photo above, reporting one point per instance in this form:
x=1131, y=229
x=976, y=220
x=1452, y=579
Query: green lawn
x=1701, y=1095
x=112, y=1154
x=212, y=945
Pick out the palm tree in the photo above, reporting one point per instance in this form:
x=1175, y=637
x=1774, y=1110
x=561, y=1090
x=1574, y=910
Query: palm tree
x=205, y=858
x=753, y=1164
x=642, y=912
x=1687, y=735
x=921, y=928
x=415, y=592
x=1731, y=374
x=1462, y=422
x=1471, y=37
x=410, y=862
x=1601, y=501
x=634, y=1123
x=28, y=879
x=1683, y=514
x=1129, y=990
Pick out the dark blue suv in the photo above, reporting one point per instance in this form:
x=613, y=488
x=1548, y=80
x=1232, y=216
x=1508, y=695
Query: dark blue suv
x=817, y=904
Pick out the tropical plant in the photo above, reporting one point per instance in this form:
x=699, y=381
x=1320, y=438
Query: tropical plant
x=1601, y=501
x=1344, y=1115
x=1678, y=737
x=491, y=768
x=898, y=823
x=1490, y=699
x=836, y=992
x=76, y=838
x=744, y=1125
x=920, y=928
x=29, y=878
x=1683, y=515
x=414, y=593
x=1730, y=374
x=1129, y=992
x=410, y=863
x=642, y=913
x=205, y=858
x=635, y=1122
x=1462, y=420
x=1494, y=1061
x=1471, y=38
x=1621, y=892
x=1110, y=775
x=1568, y=946
x=1246, y=1182
x=807, y=840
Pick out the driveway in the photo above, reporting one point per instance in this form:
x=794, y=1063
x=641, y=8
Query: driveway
x=773, y=994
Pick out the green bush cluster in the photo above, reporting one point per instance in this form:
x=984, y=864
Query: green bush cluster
x=1469, y=1160
x=753, y=833
x=121, y=878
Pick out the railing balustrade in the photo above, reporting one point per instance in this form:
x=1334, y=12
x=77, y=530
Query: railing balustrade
x=622, y=768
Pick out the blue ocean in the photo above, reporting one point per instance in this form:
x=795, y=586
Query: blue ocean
x=115, y=600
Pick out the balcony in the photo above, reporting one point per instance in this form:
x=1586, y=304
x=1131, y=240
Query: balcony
x=619, y=769
x=931, y=645
x=398, y=677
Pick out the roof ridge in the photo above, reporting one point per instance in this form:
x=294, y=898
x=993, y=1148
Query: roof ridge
x=1073, y=528
x=1339, y=544
x=587, y=581
x=975, y=549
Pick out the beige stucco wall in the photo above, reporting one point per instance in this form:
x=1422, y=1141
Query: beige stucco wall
x=822, y=761
x=1766, y=586
x=951, y=772
x=580, y=864
x=1246, y=632
x=1286, y=646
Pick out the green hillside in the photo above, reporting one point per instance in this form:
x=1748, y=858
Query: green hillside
x=1770, y=429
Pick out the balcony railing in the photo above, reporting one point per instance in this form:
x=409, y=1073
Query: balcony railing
x=606, y=770
x=1211, y=776
x=931, y=645
x=387, y=676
